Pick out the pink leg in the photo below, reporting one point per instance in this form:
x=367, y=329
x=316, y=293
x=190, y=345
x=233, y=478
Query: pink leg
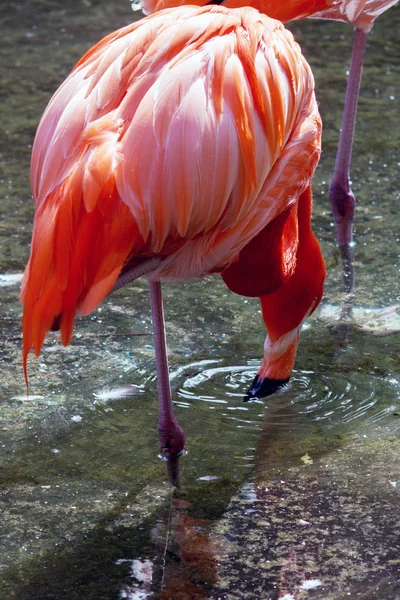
x=340, y=195
x=172, y=438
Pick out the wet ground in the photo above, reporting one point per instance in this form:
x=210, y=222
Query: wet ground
x=293, y=498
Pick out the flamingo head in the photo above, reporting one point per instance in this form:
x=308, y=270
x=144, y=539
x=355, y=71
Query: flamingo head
x=263, y=387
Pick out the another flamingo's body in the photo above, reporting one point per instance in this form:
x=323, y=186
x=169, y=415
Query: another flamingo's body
x=361, y=14
x=179, y=146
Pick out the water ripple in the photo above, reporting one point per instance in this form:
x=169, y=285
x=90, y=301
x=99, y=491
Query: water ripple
x=329, y=398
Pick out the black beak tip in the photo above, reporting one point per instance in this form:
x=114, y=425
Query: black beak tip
x=261, y=388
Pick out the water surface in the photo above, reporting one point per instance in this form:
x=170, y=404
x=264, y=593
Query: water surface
x=293, y=497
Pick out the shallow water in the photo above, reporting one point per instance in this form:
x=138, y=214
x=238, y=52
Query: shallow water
x=293, y=497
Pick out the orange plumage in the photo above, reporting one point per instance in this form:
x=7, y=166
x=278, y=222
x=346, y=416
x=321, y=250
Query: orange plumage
x=361, y=13
x=190, y=137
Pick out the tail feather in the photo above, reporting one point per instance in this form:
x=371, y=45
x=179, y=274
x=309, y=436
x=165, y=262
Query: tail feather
x=45, y=308
x=76, y=258
x=66, y=225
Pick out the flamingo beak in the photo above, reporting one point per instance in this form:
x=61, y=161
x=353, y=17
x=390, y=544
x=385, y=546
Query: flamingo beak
x=263, y=387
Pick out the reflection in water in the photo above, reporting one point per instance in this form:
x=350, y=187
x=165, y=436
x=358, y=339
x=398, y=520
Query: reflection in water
x=190, y=571
x=186, y=557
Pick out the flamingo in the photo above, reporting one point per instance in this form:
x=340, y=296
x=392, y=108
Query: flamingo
x=179, y=146
x=361, y=14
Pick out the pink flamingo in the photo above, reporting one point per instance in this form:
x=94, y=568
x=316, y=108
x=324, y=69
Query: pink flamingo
x=179, y=146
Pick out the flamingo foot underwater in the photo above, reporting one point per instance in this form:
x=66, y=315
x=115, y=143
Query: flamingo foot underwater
x=180, y=146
